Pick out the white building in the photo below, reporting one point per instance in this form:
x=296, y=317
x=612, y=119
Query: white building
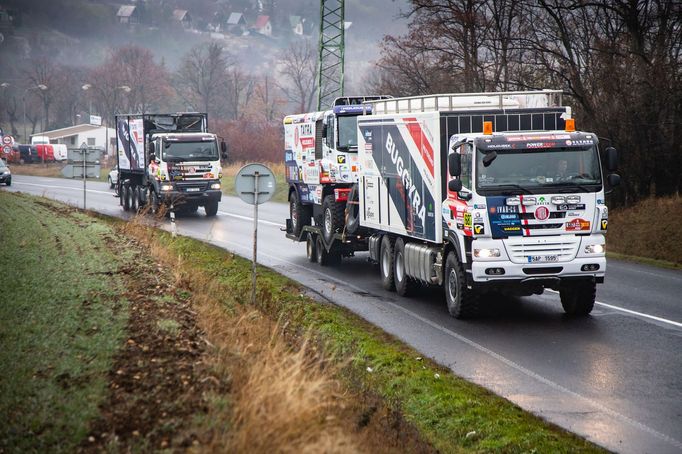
x=76, y=136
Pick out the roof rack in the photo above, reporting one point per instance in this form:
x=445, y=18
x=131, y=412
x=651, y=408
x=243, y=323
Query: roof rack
x=468, y=101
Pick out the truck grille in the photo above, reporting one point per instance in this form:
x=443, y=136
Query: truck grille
x=520, y=248
x=191, y=186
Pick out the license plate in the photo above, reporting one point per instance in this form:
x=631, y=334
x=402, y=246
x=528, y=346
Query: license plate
x=193, y=189
x=542, y=258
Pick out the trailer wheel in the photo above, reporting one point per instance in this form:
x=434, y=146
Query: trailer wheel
x=299, y=214
x=462, y=302
x=404, y=284
x=321, y=252
x=211, y=208
x=386, y=266
x=332, y=217
x=311, y=248
x=124, y=197
x=577, y=297
x=353, y=210
x=153, y=200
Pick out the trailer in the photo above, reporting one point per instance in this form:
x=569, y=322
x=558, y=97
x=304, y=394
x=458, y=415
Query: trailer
x=167, y=160
x=474, y=192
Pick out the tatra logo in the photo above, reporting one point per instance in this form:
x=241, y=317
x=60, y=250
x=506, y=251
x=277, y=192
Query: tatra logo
x=412, y=193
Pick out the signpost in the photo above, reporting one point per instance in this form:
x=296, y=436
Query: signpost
x=254, y=184
x=83, y=163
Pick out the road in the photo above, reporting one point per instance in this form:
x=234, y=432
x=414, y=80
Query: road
x=614, y=378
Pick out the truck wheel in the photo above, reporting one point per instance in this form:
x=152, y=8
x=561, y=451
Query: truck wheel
x=298, y=213
x=386, y=263
x=132, y=194
x=353, y=210
x=311, y=248
x=125, y=197
x=321, y=252
x=111, y=184
x=332, y=217
x=404, y=284
x=462, y=302
x=577, y=297
x=211, y=208
x=153, y=200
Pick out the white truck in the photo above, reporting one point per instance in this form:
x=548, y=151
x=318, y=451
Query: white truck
x=168, y=159
x=473, y=192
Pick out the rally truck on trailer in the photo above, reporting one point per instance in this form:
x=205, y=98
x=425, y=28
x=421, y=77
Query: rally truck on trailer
x=475, y=193
x=167, y=159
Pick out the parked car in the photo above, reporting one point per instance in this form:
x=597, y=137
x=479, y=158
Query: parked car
x=45, y=152
x=28, y=154
x=60, y=153
x=5, y=174
x=113, y=177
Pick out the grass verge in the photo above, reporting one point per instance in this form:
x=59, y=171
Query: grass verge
x=61, y=322
x=449, y=413
x=53, y=170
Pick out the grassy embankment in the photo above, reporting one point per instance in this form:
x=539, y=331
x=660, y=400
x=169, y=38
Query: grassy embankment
x=648, y=232
x=289, y=373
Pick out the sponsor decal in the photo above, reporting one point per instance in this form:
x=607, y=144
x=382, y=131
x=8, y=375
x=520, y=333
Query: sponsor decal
x=577, y=225
x=341, y=159
x=570, y=206
x=479, y=206
x=600, y=201
x=512, y=228
x=477, y=215
x=604, y=224
x=542, y=213
x=406, y=178
x=307, y=142
x=581, y=142
x=467, y=219
x=500, y=146
x=542, y=201
x=531, y=145
x=504, y=219
x=571, y=214
x=479, y=229
x=504, y=209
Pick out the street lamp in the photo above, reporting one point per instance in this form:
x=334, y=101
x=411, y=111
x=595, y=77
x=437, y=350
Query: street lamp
x=41, y=87
x=87, y=87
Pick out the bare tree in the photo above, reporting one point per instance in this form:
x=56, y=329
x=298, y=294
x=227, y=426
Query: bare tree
x=203, y=79
x=299, y=69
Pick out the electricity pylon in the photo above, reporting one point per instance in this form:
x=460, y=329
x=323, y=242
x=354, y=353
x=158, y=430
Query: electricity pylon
x=330, y=64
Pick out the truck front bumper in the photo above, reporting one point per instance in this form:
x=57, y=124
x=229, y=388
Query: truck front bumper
x=198, y=198
x=580, y=267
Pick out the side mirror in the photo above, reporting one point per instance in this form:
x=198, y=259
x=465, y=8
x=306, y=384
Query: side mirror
x=152, y=148
x=611, y=159
x=613, y=179
x=455, y=185
x=455, y=165
x=324, y=130
x=223, y=147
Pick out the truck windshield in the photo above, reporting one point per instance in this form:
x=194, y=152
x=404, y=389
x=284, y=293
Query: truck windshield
x=190, y=151
x=524, y=171
x=348, y=134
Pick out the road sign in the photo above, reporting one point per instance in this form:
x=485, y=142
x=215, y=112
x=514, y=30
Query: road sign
x=7, y=149
x=76, y=170
x=7, y=140
x=255, y=184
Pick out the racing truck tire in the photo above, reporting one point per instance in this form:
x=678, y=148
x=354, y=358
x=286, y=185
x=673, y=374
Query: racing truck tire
x=320, y=252
x=577, y=298
x=404, y=284
x=332, y=217
x=462, y=302
x=132, y=194
x=353, y=210
x=124, y=197
x=153, y=199
x=211, y=208
x=311, y=248
x=386, y=266
x=299, y=214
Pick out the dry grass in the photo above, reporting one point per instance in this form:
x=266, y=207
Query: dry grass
x=652, y=229
x=284, y=399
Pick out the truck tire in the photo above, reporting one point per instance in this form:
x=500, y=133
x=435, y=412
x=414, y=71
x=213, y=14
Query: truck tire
x=299, y=214
x=386, y=266
x=132, y=194
x=462, y=302
x=125, y=197
x=353, y=210
x=320, y=252
x=153, y=200
x=404, y=284
x=211, y=208
x=311, y=248
x=577, y=297
x=111, y=184
x=332, y=217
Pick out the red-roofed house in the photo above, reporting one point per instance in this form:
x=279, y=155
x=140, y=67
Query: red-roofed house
x=263, y=26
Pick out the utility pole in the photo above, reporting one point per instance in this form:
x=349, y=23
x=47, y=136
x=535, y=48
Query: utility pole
x=332, y=48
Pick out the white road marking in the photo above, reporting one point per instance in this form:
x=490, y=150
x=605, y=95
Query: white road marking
x=628, y=311
x=62, y=187
x=246, y=218
x=481, y=348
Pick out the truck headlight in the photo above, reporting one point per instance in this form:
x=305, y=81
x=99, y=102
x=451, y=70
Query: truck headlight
x=166, y=187
x=486, y=253
x=215, y=185
x=594, y=249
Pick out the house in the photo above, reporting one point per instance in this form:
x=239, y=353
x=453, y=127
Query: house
x=236, y=23
x=263, y=26
x=128, y=14
x=75, y=136
x=296, y=24
x=183, y=17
